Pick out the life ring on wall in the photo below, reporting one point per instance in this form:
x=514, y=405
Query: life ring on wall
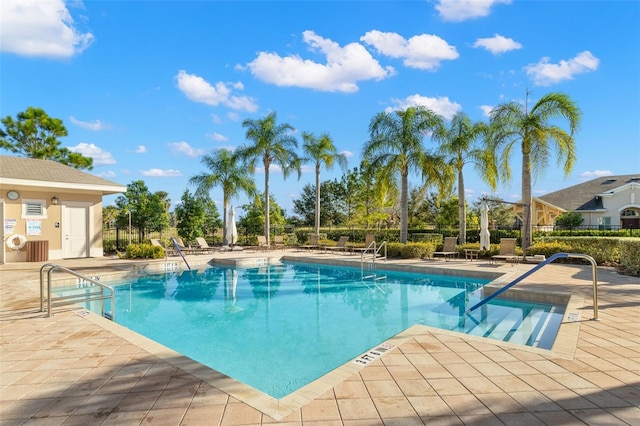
x=11, y=241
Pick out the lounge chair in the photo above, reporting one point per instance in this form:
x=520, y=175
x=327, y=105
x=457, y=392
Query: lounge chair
x=183, y=248
x=313, y=243
x=278, y=242
x=448, y=249
x=167, y=250
x=340, y=246
x=204, y=246
x=369, y=239
x=262, y=243
x=507, y=251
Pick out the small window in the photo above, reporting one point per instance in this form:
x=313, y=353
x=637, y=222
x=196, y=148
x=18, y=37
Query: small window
x=34, y=209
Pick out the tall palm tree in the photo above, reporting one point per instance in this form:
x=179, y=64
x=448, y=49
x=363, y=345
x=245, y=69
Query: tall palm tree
x=458, y=146
x=321, y=151
x=537, y=132
x=223, y=171
x=273, y=144
x=395, y=148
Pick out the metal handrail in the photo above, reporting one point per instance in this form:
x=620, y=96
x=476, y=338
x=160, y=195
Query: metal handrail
x=71, y=299
x=375, y=250
x=594, y=267
x=177, y=247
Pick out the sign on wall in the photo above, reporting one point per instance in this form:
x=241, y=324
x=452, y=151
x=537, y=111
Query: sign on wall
x=34, y=227
x=9, y=225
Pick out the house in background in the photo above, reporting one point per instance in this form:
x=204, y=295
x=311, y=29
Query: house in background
x=610, y=202
x=50, y=211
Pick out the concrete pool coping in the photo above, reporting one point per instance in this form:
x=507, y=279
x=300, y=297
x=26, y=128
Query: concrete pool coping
x=306, y=404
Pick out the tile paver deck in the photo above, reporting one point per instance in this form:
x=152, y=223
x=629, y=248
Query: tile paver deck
x=78, y=368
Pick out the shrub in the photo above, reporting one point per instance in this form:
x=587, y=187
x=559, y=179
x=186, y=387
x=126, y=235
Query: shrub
x=630, y=257
x=604, y=250
x=549, y=248
x=144, y=251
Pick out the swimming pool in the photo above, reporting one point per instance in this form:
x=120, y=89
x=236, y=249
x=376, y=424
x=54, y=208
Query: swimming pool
x=279, y=327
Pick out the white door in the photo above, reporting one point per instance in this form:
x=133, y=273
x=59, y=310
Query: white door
x=74, y=231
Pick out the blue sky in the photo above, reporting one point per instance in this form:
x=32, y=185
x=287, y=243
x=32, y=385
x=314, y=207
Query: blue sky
x=147, y=87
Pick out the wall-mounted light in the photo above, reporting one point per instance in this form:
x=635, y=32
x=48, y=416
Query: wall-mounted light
x=55, y=200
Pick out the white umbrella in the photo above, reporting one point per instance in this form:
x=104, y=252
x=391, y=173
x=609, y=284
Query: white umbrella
x=232, y=230
x=484, y=226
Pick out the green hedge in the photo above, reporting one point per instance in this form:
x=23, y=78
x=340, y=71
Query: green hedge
x=144, y=251
x=630, y=257
x=604, y=250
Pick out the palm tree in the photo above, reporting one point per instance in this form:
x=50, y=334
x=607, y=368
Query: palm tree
x=224, y=171
x=538, y=132
x=273, y=144
x=395, y=147
x=457, y=145
x=321, y=151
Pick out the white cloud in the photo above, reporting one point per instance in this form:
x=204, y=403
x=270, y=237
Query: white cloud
x=596, y=174
x=344, y=67
x=217, y=137
x=308, y=169
x=216, y=118
x=497, y=44
x=40, y=29
x=441, y=106
x=486, y=110
x=546, y=74
x=423, y=51
x=99, y=156
x=95, y=125
x=184, y=148
x=141, y=149
x=198, y=89
x=108, y=174
x=161, y=173
x=233, y=116
x=347, y=154
x=461, y=10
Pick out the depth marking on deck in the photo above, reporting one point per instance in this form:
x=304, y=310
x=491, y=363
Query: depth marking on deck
x=573, y=316
x=367, y=357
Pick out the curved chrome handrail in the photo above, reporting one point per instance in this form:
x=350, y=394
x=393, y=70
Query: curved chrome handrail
x=594, y=267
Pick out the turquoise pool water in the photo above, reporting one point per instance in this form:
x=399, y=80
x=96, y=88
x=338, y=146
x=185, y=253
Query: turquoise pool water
x=279, y=327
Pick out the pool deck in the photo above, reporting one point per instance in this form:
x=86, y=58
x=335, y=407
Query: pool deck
x=77, y=368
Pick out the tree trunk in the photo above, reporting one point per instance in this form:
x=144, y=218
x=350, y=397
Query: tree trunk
x=225, y=237
x=317, y=198
x=404, y=207
x=266, y=201
x=462, y=210
x=526, y=195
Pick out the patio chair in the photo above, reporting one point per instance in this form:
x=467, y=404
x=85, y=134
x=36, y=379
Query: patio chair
x=204, y=246
x=448, y=249
x=278, y=242
x=183, y=248
x=507, y=251
x=340, y=246
x=262, y=243
x=312, y=244
x=368, y=240
x=169, y=251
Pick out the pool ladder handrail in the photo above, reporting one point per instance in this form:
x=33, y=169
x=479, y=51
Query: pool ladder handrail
x=75, y=298
x=374, y=251
x=177, y=247
x=594, y=268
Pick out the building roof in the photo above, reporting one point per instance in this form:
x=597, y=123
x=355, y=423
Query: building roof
x=31, y=172
x=583, y=195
